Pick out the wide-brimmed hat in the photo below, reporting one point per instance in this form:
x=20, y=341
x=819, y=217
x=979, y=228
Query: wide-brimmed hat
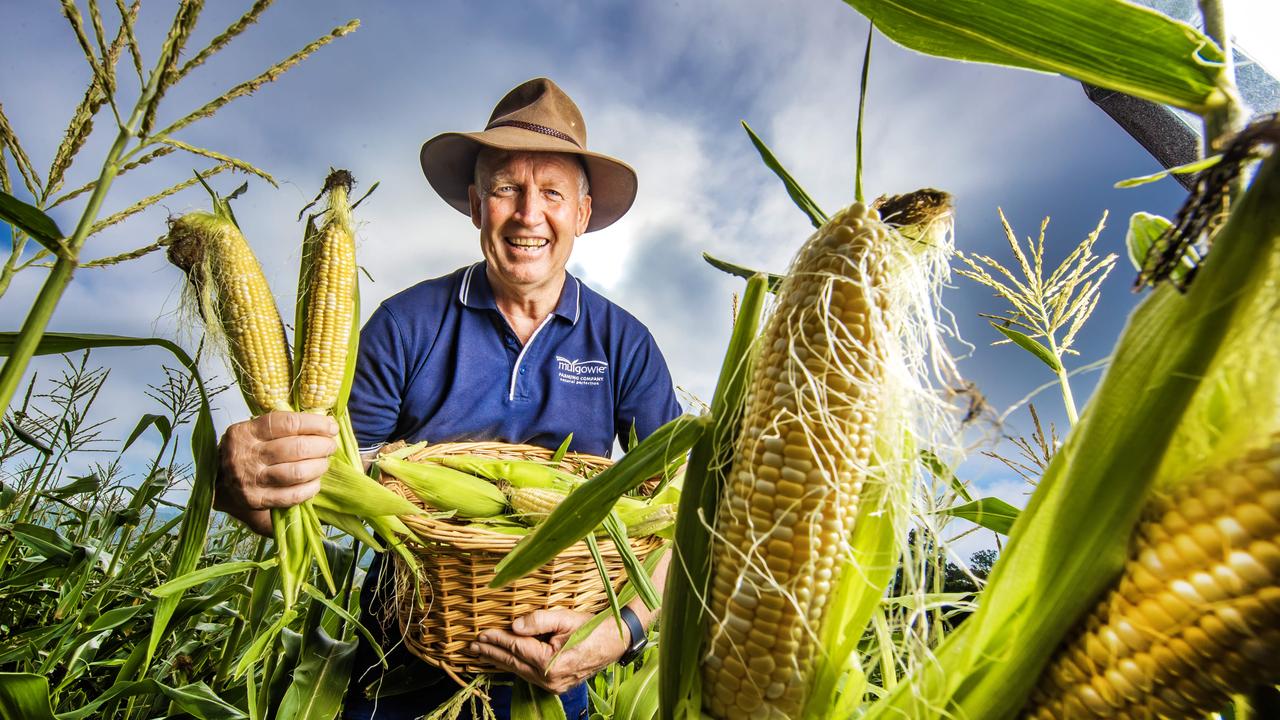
x=536, y=116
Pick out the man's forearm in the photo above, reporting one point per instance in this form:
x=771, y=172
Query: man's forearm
x=659, y=578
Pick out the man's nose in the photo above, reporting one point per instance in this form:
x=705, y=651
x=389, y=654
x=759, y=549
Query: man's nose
x=531, y=207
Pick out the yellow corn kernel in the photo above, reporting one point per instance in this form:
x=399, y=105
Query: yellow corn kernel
x=792, y=492
x=235, y=301
x=1205, y=620
x=330, y=298
x=533, y=504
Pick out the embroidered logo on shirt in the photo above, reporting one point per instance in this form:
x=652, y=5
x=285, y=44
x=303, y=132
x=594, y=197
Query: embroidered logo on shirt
x=581, y=372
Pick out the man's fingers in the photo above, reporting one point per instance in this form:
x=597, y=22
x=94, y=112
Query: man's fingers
x=296, y=494
x=543, y=622
x=505, y=659
x=291, y=474
x=296, y=448
x=281, y=424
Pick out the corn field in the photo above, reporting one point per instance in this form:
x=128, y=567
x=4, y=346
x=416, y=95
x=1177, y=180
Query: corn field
x=808, y=508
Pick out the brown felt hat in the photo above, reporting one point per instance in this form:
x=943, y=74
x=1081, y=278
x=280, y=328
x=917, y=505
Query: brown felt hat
x=536, y=116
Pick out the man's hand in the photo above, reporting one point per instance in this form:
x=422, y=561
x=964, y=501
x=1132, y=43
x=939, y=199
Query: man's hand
x=272, y=461
x=534, y=639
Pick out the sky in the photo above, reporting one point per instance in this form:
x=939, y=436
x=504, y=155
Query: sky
x=663, y=85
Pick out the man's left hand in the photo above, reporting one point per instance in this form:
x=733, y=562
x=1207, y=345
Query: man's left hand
x=528, y=647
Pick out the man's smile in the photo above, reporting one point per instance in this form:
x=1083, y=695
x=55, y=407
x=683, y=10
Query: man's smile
x=526, y=242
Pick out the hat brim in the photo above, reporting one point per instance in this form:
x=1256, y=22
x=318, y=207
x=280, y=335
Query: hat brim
x=449, y=161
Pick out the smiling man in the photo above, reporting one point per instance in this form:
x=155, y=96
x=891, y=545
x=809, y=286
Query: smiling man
x=513, y=349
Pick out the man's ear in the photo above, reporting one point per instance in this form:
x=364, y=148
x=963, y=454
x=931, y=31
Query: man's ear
x=474, y=197
x=584, y=213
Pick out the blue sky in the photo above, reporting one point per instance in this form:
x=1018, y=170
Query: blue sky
x=662, y=85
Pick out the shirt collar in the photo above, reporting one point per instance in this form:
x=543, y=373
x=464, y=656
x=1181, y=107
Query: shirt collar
x=476, y=293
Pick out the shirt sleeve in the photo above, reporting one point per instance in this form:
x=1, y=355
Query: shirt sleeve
x=379, y=382
x=648, y=398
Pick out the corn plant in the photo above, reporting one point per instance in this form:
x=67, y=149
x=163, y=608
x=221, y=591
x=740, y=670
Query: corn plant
x=138, y=141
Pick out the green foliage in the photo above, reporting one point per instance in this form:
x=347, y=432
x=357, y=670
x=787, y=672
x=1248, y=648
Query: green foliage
x=1155, y=57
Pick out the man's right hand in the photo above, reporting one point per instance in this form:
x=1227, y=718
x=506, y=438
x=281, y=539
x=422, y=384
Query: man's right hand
x=272, y=461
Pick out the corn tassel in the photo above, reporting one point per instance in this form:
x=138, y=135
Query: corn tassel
x=1196, y=615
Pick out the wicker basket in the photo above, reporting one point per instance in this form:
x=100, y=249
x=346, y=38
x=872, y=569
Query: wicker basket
x=457, y=565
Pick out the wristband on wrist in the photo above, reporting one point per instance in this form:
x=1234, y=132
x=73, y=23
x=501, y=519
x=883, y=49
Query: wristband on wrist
x=639, y=639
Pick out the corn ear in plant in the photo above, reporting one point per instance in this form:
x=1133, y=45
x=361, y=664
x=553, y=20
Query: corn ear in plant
x=1196, y=615
x=826, y=369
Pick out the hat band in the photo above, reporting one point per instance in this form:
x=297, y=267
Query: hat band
x=534, y=128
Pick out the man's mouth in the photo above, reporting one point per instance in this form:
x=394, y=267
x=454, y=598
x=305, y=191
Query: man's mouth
x=526, y=242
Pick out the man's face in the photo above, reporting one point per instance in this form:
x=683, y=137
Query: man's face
x=529, y=211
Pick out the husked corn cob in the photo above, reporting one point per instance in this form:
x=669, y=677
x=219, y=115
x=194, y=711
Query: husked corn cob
x=234, y=297
x=792, y=492
x=1195, y=615
x=533, y=504
x=330, y=298
x=447, y=489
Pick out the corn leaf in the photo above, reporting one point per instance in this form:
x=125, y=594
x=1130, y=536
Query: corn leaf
x=1191, y=167
x=25, y=695
x=1029, y=344
x=991, y=513
x=635, y=569
x=560, y=451
x=159, y=421
x=199, y=577
x=320, y=678
x=196, y=700
x=1053, y=570
x=1145, y=229
x=32, y=221
x=530, y=702
x=942, y=472
x=797, y=193
x=1108, y=43
x=615, y=605
x=686, y=589
x=741, y=271
x=637, y=696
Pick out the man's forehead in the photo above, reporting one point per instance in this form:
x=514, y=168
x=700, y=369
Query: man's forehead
x=507, y=163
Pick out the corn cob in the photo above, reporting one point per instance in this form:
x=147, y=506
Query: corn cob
x=329, y=295
x=234, y=299
x=1195, y=615
x=793, y=488
x=447, y=489
x=533, y=504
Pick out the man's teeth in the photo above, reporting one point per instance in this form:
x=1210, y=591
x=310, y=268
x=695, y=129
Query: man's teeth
x=527, y=242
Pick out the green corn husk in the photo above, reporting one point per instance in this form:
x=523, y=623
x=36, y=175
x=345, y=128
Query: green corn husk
x=519, y=473
x=447, y=489
x=1193, y=380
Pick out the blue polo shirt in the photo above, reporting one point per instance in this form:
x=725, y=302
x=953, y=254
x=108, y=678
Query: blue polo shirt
x=438, y=362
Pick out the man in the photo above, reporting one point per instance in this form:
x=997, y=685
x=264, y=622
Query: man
x=492, y=351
